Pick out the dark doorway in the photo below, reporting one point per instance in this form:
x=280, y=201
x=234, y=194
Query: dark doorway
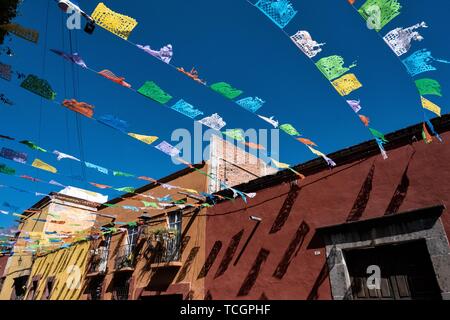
x=406, y=272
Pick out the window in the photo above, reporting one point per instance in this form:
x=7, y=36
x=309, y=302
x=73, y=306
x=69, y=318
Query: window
x=174, y=241
x=174, y=221
x=94, y=290
x=33, y=290
x=49, y=288
x=20, y=286
x=121, y=286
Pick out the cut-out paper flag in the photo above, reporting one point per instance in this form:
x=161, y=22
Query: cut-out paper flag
x=428, y=86
x=22, y=32
x=281, y=165
x=399, y=39
x=433, y=131
x=100, y=186
x=427, y=104
x=168, y=149
x=289, y=129
x=251, y=104
x=74, y=58
x=236, y=134
x=95, y=167
x=193, y=74
x=43, y=166
x=380, y=144
x=56, y=183
x=126, y=189
x=379, y=13
x=355, y=105
x=214, y=122
x=226, y=90
x=113, y=122
x=270, y=120
x=306, y=44
x=111, y=76
x=421, y=61
x=30, y=178
x=254, y=146
x=280, y=12
x=38, y=86
x=346, y=84
x=142, y=138
x=5, y=71
x=426, y=135
x=165, y=53
x=61, y=156
x=153, y=91
x=83, y=108
x=33, y=146
x=187, y=109
x=378, y=135
x=329, y=161
x=332, y=67
x=150, y=204
x=7, y=170
x=307, y=142
x=116, y=23
x=14, y=155
x=122, y=174
x=5, y=100
x=364, y=120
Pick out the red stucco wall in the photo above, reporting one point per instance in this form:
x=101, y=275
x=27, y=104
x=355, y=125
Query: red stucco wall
x=324, y=199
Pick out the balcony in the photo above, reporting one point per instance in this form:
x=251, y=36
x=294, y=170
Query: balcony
x=125, y=258
x=120, y=293
x=98, y=261
x=165, y=250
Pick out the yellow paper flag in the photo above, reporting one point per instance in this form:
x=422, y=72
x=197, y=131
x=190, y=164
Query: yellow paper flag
x=346, y=84
x=24, y=33
x=145, y=139
x=43, y=166
x=114, y=22
x=280, y=164
x=427, y=104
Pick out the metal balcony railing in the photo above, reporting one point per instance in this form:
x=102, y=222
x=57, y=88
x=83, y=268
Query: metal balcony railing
x=120, y=293
x=125, y=257
x=98, y=260
x=166, y=248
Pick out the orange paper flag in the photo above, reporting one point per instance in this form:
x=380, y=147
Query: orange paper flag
x=307, y=142
x=365, y=120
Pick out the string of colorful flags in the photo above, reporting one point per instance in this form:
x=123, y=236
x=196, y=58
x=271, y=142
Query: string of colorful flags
x=122, y=26
x=377, y=14
x=281, y=12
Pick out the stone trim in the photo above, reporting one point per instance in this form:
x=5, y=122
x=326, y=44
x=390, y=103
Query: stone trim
x=426, y=227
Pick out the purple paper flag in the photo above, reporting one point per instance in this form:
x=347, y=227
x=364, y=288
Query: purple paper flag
x=355, y=105
x=74, y=58
x=168, y=149
x=165, y=54
x=13, y=155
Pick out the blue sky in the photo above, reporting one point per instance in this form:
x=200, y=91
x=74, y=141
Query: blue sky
x=226, y=41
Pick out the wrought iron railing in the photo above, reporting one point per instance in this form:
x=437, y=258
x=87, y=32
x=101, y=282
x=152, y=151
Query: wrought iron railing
x=125, y=257
x=98, y=260
x=166, y=248
x=120, y=293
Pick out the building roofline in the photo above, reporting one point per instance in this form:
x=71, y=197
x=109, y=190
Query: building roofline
x=364, y=150
x=153, y=185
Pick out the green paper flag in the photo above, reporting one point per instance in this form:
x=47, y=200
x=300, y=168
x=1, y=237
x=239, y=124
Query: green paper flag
x=110, y=205
x=332, y=67
x=226, y=90
x=126, y=189
x=7, y=170
x=153, y=91
x=429, y=86
x=379, y=13
x=378, y=134
x=122, y=174
x=289, y=129
x=150, y=204
x=38, y=86
x=236, y=134
x=33, y=146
